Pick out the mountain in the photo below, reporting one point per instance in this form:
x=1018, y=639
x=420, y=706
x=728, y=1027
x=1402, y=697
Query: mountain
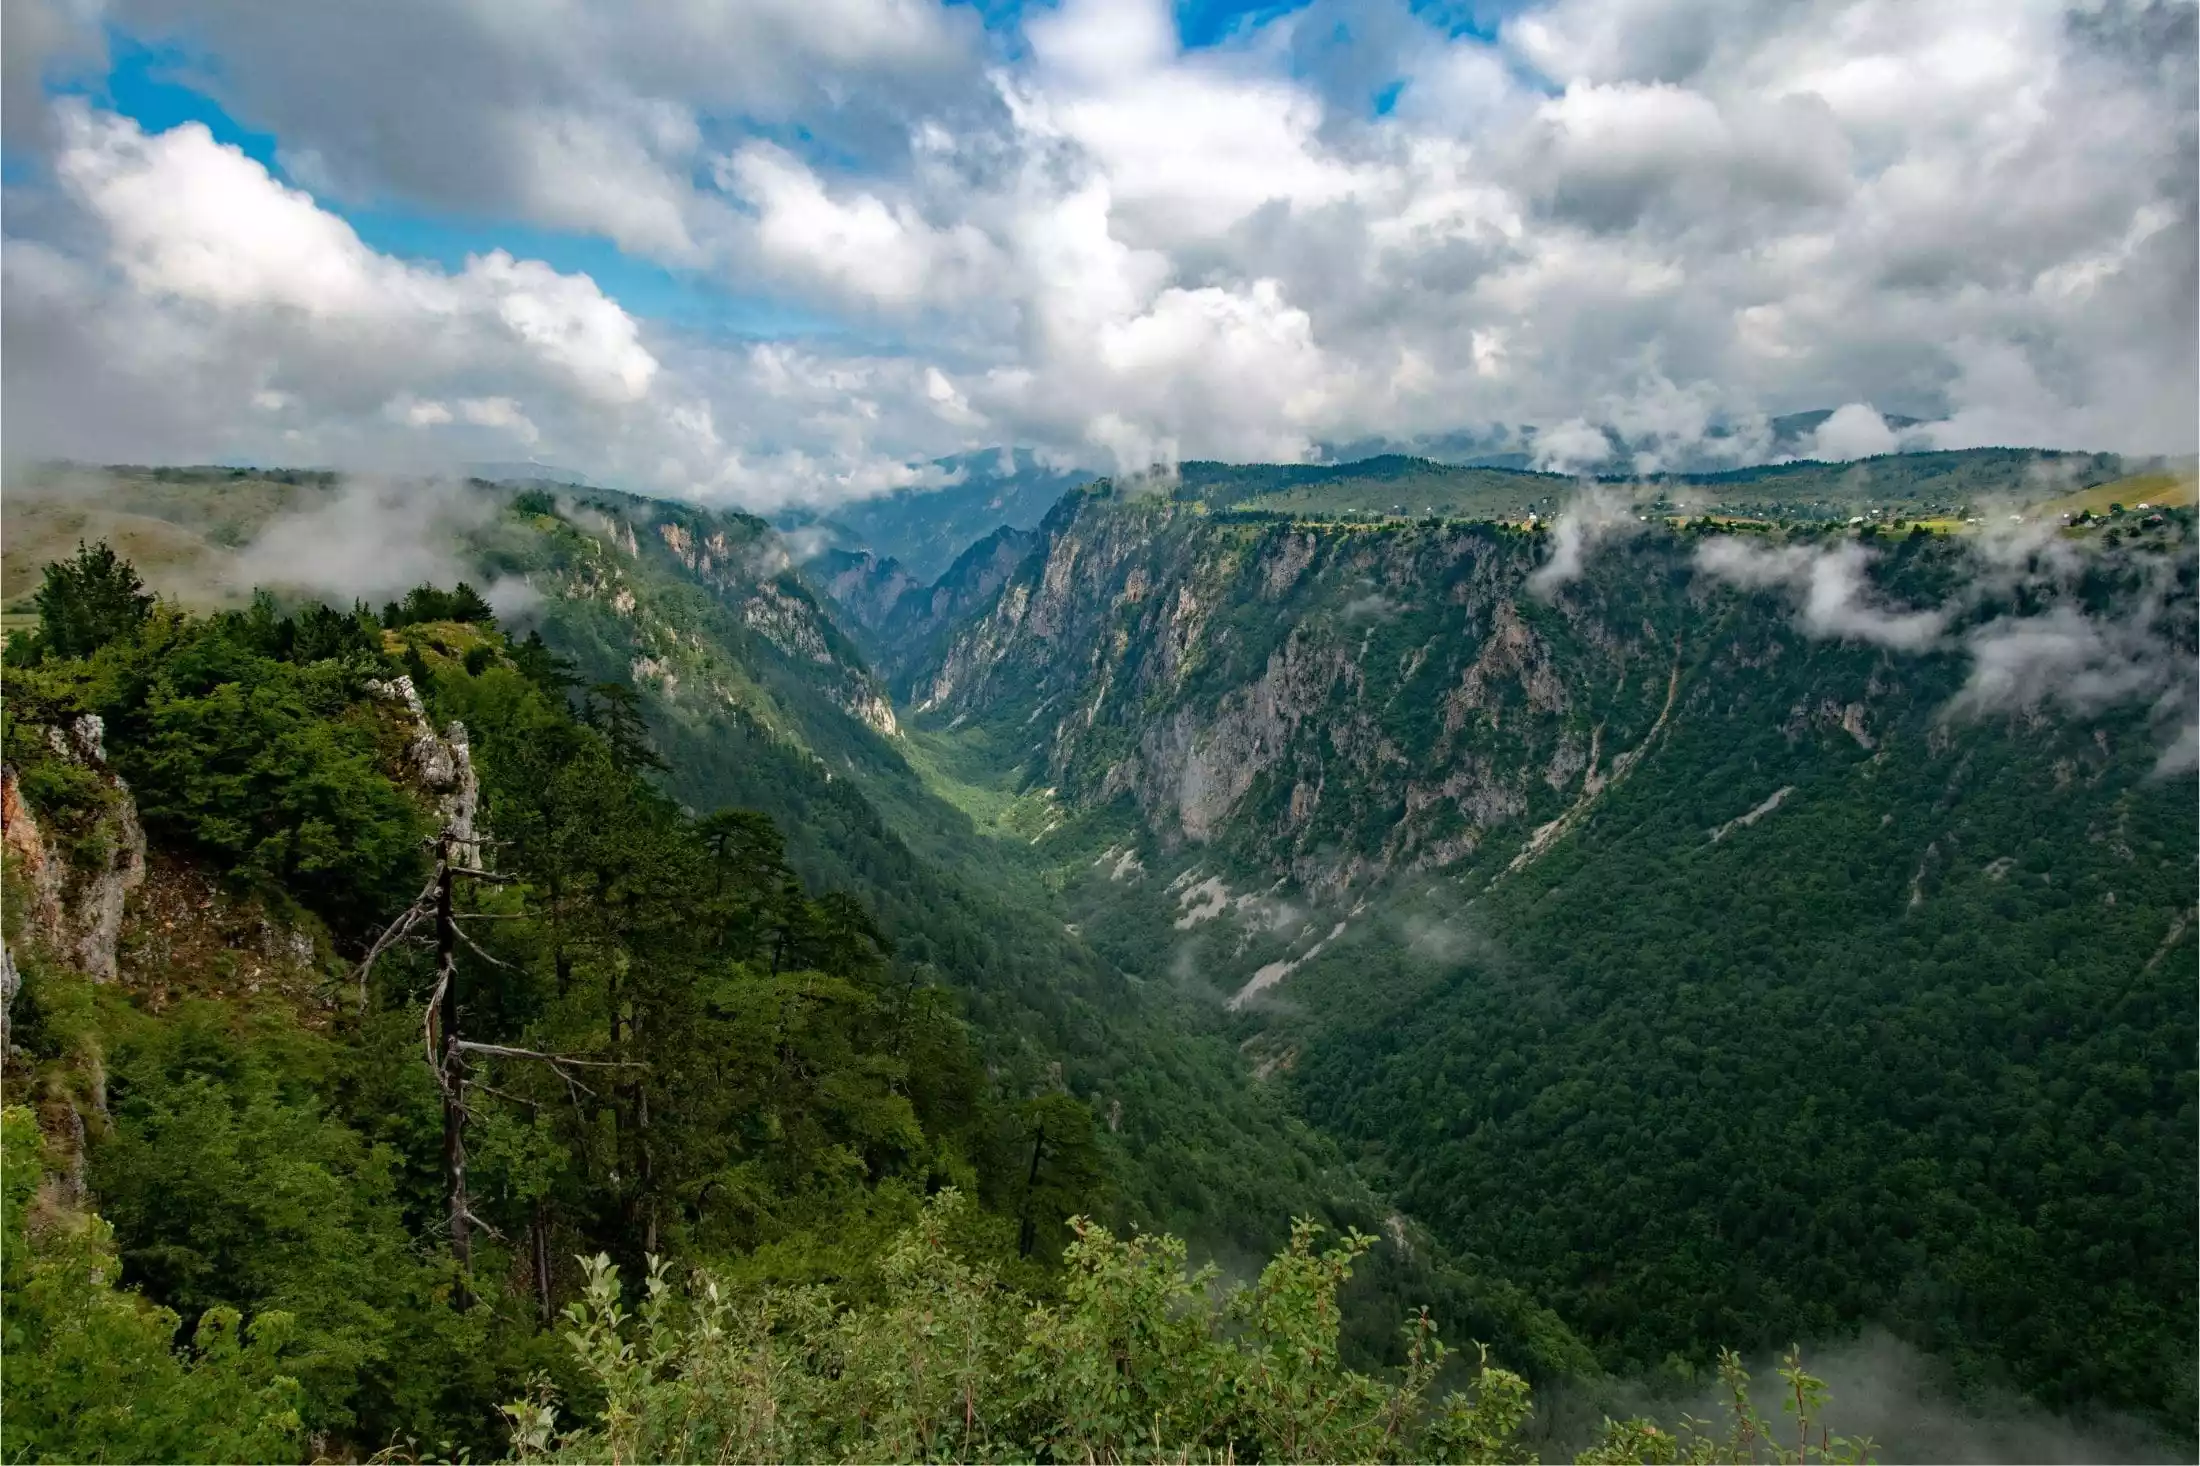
x=925, y=529
x=1792, y=435
x=1658, y=929
x=1768, y=932
x=898, y=618
x=736, y=677
x=529, y=472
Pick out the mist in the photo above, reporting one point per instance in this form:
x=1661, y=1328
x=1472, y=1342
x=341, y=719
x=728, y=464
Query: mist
x=1907, y=1402
x=1830, y=581
x=1595, y=513
x=375, y=539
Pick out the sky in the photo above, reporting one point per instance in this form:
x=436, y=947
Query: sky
x=774, y=251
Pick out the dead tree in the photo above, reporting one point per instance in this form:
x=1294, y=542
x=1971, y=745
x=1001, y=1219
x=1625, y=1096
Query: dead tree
x=442, y=1040
x=446, y=768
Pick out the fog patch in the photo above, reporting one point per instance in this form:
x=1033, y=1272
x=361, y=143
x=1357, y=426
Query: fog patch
x=1887, y=1389
x=512, y=597
x=2012, y=549
x=1836, y=594
x=374, y=539
x=1446, y=941
x=1880, y=1387
x=1595, y=513
x=1373, y=606
x=2064, y=655
x=2183, y=754
x=794, y=546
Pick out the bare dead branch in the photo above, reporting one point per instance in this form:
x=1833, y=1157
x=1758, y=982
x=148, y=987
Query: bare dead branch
x=427, y=1024
x=391, y=934
x=503, y=1051
x=484, y=956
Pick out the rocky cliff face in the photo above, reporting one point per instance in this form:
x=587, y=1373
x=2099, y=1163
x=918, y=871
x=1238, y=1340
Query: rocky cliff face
x=75, y=896
x=1337, y=702
x=702, y=610
x=864, y=586
x=902, y=623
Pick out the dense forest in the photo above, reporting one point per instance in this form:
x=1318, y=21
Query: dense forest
x=1620, y=973
x=1715, y=974
x=426, y=1040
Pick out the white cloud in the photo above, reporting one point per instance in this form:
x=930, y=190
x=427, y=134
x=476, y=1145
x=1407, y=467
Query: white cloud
x=1855, y=430
x=372, y=539
x=2066, y=656
x=1837, y=602
x=1572, y=446
x=415, y=414
x=1595, y=513
x=1675, y=220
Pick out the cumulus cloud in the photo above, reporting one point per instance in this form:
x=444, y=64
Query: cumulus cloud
x=1856, y=430
x=1572, y=446
x=1837, y=601
x=1085, y=236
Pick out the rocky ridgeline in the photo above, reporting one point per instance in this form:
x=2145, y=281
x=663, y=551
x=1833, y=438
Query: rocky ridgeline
x=1338, y=702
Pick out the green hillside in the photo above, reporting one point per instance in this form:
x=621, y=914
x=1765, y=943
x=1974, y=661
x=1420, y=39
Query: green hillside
x=1748, y=933
x=1639, y=911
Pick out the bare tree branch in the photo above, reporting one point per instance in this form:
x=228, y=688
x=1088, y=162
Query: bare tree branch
x=421, y=905
x=484, y=956
x=503, y=1051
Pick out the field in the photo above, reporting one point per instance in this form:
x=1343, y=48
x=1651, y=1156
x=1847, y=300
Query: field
x=2156, y=490
x=180, y=527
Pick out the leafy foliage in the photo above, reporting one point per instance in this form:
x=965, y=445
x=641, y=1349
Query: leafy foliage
x=1138, y=1359
x=89, y=601
x=91, y=1372
x=688, y=1049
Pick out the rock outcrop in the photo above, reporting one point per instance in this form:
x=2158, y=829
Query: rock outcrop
x=76, y=894
x=444, y=764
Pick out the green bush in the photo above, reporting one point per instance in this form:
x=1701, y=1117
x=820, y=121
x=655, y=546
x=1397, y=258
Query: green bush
x=91, y=1374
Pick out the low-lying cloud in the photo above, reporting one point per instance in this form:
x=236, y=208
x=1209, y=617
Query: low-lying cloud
x=2060, y=654
x=1837, y=601
x=1593, y=514
x=372, y=539
x=2065, y=656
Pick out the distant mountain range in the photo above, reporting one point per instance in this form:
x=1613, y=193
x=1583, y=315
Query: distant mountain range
x=914, y=535
x=528, y=471
x=1792, y=436
x=925, y=529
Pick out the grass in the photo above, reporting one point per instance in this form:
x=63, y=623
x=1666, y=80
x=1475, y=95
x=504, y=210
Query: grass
x=180, y=531
x=955, y=770
x=2157, y=490
x=173, y=560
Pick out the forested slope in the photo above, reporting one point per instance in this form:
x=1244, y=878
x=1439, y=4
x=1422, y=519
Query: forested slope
x=677, y=1047
x=1764, y=933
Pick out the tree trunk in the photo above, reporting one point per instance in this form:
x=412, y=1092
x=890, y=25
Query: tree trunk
x=452, y=1080
x=541, y=1239
x=1029, y=1231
